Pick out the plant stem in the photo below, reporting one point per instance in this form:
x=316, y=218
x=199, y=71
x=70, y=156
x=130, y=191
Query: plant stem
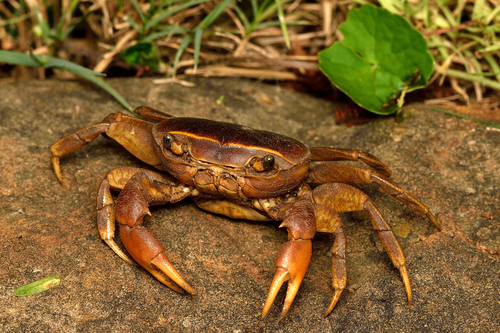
x=466, y=76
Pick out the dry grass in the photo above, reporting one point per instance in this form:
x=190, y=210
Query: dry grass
x=462, y=36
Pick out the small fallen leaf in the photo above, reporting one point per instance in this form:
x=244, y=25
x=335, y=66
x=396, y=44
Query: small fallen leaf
x=37, y=286
x=220, y=100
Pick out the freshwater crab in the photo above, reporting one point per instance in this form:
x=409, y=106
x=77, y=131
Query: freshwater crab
x=241, y=173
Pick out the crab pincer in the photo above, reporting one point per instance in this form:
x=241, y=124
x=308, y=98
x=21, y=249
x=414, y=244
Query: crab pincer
x=131, y=207
x=241, y=173
x=294, y=256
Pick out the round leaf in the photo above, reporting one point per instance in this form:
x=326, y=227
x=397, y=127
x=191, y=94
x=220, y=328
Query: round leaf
x=381, y=55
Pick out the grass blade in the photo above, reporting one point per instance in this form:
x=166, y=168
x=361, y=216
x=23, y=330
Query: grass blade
x=17, y=58
x=68, y=12
x=281, y=17
x=134, y=24
x=465, y=117
x=99, y=82
x=198, y=34
x=166, y=30
x=214, y=14
x=185, y=42
x=241, y=16
x=139, y=11
x=44, y=61
x=44, y=26
x=168, y=13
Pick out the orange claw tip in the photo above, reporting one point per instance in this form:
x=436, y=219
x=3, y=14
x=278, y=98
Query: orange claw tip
x=190, y=290
x=264, y=313
x=169, y=275
x=286, y=307
x=280, y=277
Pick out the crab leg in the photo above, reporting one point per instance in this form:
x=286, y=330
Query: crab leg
x=132, y=204
x=294, y=256
x=152, y=114
x=345, y=198
x=132, y=133
x=335, y=154
x=116, y=180
x=328, y=221
x=335, y=173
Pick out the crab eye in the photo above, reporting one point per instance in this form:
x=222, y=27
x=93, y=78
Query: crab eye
x=264, y=163
x=168, y=140
x=170, y=143
x=267, y=162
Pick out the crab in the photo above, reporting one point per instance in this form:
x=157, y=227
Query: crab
x=241, y=173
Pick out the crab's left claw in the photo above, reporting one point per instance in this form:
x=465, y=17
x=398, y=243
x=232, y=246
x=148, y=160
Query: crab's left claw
x=142, y=190
x=294, y=256
x=145, y=248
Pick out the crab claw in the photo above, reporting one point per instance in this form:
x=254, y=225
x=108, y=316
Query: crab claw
x=145, y=248
x=292, y=262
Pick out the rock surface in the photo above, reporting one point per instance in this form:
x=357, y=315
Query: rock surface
x=452, y=165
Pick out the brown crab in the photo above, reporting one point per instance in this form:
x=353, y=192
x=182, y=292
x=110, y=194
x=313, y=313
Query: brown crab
x=241, y=173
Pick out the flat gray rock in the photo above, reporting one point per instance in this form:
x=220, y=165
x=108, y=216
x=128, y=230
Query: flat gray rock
x=451, y=164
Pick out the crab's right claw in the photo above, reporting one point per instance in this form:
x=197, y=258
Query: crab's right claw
x=291, y=265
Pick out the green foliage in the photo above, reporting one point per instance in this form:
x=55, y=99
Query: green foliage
x=145, y=54
x=45, y=61
x=60, y=30
x=261, y=14
x=151, y=28
x=381, y=58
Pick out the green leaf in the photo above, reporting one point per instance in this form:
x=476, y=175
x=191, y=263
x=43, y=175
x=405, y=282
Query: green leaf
x=37, y=286
x=380, y=57
x=144, y=54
